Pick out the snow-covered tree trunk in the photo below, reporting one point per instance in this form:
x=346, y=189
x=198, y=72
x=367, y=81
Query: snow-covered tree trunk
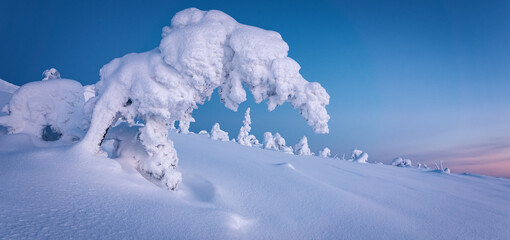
x=302, y=147
x=162, y=161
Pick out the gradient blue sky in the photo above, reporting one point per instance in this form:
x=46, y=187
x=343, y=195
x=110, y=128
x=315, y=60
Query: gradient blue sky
x=427, y=80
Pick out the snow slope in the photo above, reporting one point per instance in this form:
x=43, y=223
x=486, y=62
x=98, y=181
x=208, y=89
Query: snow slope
x=6, y=91
x=230, y=191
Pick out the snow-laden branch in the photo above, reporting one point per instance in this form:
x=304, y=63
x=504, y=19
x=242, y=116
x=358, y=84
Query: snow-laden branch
x=199, y=52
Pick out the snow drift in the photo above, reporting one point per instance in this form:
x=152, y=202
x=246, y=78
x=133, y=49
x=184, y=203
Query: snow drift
x=236, y=192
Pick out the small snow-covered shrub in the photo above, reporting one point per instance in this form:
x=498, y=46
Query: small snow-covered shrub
x=326, y=152
x=218, y=134
x=199, y=52
x=269, y=142
x=401, y=162
x=302, y=148
x=280, y=144
x=244, y=137
x=51, y=73
x=359, y=156
x=50, y=109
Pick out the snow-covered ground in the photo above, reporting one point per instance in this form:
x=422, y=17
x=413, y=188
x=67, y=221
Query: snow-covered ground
x=230, y=191
x=63, y=188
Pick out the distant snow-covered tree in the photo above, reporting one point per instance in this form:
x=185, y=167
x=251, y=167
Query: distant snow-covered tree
x=51, y=73
x=302, y=147
x=359, y=156
x=401, y=162
x=281, y=145
x=244, y=137
x=269, y=142
x=201, y=51
x=218, y=134
x=326, y=152
x=50, y=110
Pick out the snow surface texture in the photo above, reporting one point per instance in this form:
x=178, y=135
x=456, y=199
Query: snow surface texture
x=236, y=192
x=199, y=52
x=51, y=110
x=218, y=134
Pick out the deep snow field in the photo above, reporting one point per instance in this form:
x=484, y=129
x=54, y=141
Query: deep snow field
x=54, y=190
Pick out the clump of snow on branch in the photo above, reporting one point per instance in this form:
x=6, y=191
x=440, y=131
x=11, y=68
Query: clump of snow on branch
x=302, y=148
x=359, y=156
x=51, y=73
x=401, y=162
x=199, y=52
x=326, y=152
x=218, y=134
x=244, y=137
x=89, y=91
x=48, y=109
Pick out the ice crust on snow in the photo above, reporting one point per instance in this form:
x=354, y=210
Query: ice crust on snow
x=47, y=109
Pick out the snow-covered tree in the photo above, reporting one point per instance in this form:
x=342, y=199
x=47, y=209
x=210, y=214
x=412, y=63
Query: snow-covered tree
x=401, y=162
x=34, y=111
x=302, y=148
x=244, y=137
x=359, y=156
x=269, y=142
x=51, y=73
x=218, y=134
x=281, y=145
x=199, y=52
x=326, y=152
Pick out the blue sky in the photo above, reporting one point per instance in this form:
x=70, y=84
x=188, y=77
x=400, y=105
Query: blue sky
x=428, y=80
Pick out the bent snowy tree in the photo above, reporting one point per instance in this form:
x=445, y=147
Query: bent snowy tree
x=199, y=52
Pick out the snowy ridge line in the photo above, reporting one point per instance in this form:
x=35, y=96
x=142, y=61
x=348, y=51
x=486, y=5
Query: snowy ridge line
x=7, y=86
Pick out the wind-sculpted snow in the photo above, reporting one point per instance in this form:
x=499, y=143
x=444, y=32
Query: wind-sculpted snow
x=46, y=108
x=236, y=192
x=202, y=51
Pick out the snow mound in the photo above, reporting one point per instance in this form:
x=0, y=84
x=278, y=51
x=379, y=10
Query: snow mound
x=7, y=87
x=48, y=109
